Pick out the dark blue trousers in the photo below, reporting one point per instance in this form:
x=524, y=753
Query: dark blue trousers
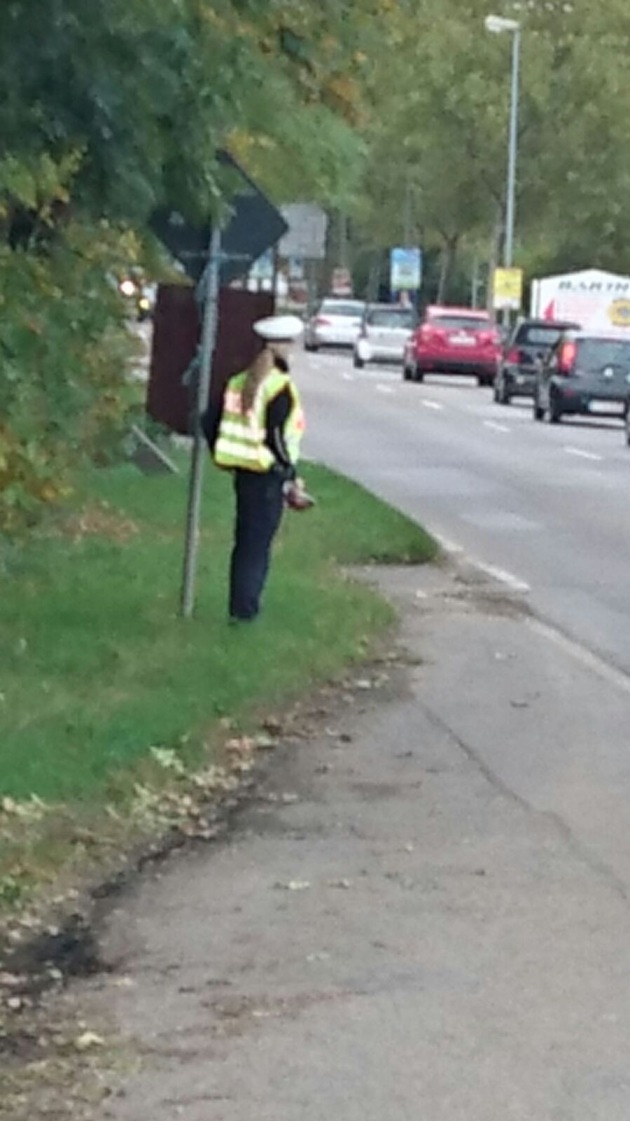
x=259, y=506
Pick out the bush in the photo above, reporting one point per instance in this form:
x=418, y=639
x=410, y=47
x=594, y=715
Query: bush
x=64, y=350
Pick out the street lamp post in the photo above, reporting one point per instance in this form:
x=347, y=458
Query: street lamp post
x=497, y=25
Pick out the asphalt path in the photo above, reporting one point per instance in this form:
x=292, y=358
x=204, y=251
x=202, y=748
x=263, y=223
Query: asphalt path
x=545, y=509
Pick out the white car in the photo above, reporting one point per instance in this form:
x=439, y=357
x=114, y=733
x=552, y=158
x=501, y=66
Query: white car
x=335, y=323
x=384, y=332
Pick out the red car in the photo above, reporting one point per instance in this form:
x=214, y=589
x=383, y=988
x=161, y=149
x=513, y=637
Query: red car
x=453, y=340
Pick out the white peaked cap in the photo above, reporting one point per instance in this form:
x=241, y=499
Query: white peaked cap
x=279, y=328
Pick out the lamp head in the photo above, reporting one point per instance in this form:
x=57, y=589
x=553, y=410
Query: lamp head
x=497, y=25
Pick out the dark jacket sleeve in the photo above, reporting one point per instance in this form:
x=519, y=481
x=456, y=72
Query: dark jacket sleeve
x=210, y=422
x=278, y=412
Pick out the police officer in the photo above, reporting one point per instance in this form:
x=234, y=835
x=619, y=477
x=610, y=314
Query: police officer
x=256, y=434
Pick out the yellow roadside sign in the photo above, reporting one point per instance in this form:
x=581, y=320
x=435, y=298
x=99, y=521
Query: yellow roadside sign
x=508, y=289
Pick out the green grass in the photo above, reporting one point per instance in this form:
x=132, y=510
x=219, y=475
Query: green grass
x=96, y=667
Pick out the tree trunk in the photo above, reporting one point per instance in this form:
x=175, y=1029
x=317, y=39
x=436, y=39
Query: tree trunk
x=338, y=248
x=374, y=278
x=447, y=264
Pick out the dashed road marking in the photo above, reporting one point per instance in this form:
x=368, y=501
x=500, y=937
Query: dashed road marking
x=584, y=455
x=348, y=377
x=496, y=427
x=384, y=388
x=432, y=404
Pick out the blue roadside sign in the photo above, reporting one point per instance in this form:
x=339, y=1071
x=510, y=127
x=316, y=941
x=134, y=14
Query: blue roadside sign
x=405, y=270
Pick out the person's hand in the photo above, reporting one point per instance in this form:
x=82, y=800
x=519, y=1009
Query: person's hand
x=296, y=496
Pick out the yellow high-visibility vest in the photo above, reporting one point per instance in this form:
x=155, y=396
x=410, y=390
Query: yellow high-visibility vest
x=241, y=438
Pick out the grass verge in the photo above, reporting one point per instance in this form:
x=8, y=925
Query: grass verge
x=97, y=671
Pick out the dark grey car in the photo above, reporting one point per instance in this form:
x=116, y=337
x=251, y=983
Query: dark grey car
x=587, y=373
x=528, y=345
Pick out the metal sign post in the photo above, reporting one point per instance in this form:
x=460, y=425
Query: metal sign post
x=210, y=290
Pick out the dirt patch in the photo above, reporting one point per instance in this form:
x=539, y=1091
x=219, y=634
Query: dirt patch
x=99, y=520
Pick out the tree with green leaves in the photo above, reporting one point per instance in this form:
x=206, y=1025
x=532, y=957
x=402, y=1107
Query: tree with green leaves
x=107, y=115
x=438, y=129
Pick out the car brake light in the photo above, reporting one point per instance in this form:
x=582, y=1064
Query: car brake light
x=514, y=355
x=321, y=321
x=566, y=358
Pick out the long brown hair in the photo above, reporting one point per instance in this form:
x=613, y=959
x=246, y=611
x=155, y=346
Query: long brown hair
x=260, y=367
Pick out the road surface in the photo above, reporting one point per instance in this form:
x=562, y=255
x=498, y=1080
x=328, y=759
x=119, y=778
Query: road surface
x=546, y=509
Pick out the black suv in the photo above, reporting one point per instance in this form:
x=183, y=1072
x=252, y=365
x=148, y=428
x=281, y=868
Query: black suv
x=527, y=347
x=587, y=372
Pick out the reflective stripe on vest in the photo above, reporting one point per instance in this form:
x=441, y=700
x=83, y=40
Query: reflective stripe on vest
x=241, y=439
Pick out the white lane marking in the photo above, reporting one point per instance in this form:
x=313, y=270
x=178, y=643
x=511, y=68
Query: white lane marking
x=348, y=377
x=500, y=574
x=447, y=545
x=503, y=576
x=384, y=389
x=583, y=454
x=432, y=404
x=588, y=658
x=496, y=427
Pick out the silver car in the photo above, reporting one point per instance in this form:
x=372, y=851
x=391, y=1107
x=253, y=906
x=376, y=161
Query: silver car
x=384, y=332
x=335, y=323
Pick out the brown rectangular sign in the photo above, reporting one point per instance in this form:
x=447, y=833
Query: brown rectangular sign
x=176, y=336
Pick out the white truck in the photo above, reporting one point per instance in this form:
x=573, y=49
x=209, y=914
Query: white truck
x=591, y=299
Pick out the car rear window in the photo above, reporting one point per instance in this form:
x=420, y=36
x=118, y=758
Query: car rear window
x=391, y=317
x=596, y=354
x=347, y=310
x=461, y=322
x=538, y=336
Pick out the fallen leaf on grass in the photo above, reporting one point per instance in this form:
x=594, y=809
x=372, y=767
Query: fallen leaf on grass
x=273, y=725
x=32, y=810
x=88, y=1040
x=265, y=743
x=239, y=745
x=11, y=980
x=242, y=766
x=124, y=983
x=168, y=759
x=200, y=832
